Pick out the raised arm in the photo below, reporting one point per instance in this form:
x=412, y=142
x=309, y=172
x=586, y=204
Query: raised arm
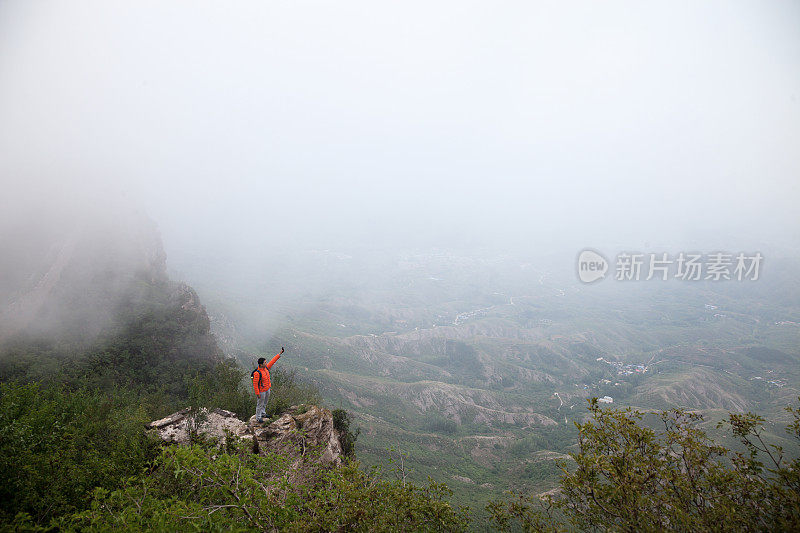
x=272, y=361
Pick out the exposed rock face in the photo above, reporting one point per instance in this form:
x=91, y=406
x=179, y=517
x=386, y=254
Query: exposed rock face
x=192, y=316
x=295, y=432
x=84, y=274
x=70, y=270
x=183, y=426
x=301, y=434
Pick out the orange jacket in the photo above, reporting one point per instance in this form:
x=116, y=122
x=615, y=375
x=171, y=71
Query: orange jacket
x=261, y=381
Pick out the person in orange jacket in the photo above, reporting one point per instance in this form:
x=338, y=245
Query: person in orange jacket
x=261, y=385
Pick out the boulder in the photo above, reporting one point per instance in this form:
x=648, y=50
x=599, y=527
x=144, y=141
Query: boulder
x=317, y=425
x=186, y=425
x=302, y=434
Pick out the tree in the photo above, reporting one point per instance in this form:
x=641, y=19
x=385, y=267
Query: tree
x=629, y=477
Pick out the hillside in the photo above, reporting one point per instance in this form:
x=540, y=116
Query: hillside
x=92, y=287
x=98, y=342
x=477, y=367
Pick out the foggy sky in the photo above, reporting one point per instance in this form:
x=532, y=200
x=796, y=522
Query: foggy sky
x=256, y=125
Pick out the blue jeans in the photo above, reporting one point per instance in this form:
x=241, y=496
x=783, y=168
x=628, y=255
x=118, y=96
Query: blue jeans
x=261, y=404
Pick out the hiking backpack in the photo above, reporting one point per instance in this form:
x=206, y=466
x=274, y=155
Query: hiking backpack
x=260, y=377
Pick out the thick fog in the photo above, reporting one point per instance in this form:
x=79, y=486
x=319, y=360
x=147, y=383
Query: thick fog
x=248, y=127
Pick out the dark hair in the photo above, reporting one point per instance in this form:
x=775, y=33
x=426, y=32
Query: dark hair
x=261, y=360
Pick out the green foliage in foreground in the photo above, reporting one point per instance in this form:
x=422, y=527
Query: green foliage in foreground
x=196, y=488
x=57, y=445
x=629, y=477
x=58, y=442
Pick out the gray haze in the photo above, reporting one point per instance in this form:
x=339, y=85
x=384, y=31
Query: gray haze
x=247, y=127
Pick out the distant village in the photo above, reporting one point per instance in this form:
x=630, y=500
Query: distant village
x=774, y=382
x=623, y=369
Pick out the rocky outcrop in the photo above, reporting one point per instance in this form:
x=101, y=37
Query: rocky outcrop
x=299, y=431
x=186, y=426
x=70, y=271
x=191, y=316
x=302, y=434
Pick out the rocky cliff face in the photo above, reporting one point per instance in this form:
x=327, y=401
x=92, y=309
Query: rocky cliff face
x=70, y=274
x=185, y=426
x=300, y=431
x=76, y=274
x=303, y=434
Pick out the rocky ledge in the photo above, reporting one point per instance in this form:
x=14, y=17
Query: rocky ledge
x=300, y=433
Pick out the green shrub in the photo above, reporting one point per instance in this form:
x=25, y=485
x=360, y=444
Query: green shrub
x=226, y=386
x=628, y=477
x=347, y=438
x=57, y=445
x=288, y=390
x=196, y=489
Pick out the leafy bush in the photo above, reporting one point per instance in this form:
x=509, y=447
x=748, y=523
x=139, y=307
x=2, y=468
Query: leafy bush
x=57, y=445
x=288, y=390
x=192, y=488
x=347, y=438
x=628, y=477
x=226, y=386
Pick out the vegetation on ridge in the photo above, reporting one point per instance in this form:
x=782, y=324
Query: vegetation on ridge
x=629, y=477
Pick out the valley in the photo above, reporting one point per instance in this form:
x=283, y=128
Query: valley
x=481, y=389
